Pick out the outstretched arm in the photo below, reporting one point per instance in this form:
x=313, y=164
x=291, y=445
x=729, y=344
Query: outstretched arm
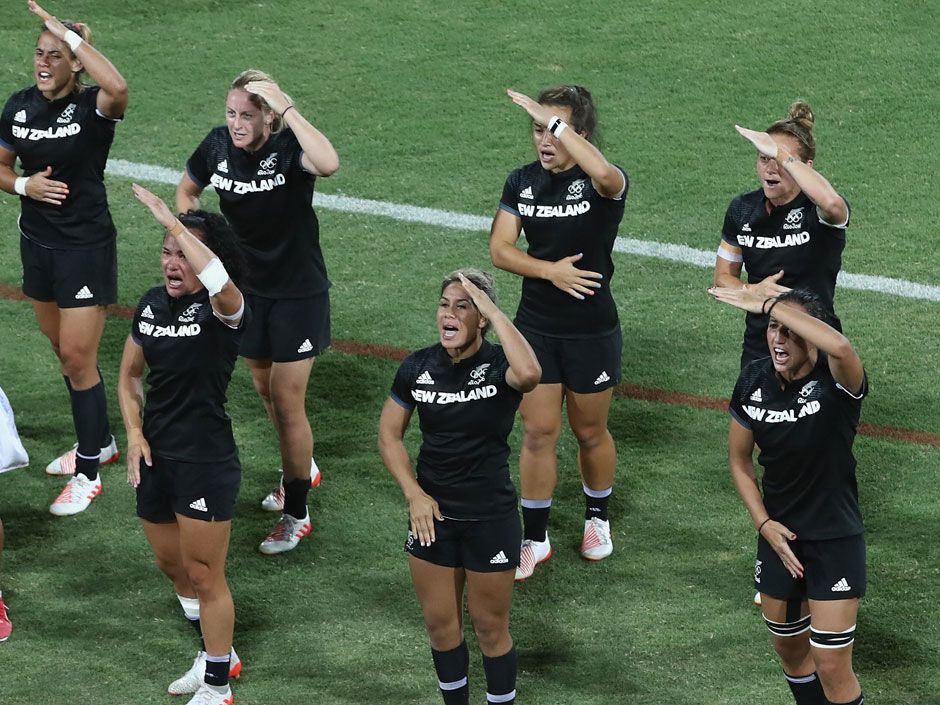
x=832, y=207
x=131, y=400
x=112, y=98
x=319, y=156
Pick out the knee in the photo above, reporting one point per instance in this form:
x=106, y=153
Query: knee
x=262, y=385
x=792, y=652
x=201, y=577
x=443, y=629
x=832, y=665
x=590, y=435
x=171, y=568
x=540, y=433
x=77, y=360
x=288, y=406
x=490, y=629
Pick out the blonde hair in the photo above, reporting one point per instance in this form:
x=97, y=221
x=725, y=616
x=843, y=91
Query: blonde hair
x=798, y=124
x=246, y=77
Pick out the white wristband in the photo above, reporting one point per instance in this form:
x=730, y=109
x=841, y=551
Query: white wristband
x=556, y=126
x=73, y=39
x=20, y=185
x=213, y=276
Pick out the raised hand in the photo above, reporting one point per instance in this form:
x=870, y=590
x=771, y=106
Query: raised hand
x=484, y=303
x=271, y=94
x=52, y=24
x=765, y=143
x=744, y=299
x=536, y=111
x=571, y=280
x=770, y=286
x=160, y=210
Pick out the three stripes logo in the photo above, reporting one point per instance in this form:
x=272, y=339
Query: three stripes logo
x=20, y=116
x=601, y=378
x=841, y=586
x=425, y=378
x=84, y=293
x=199, y=505
x=222, y=166
x=526, y=192
x=146, y=313
x=305, y=346
x=499, y=558
x=756, y=396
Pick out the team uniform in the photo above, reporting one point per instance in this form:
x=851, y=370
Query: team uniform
x=68, y=251
x=805, y=433
x=190, y=354
x=792, y=237
x=577, y=342
x=466, y=413
x=267, y=197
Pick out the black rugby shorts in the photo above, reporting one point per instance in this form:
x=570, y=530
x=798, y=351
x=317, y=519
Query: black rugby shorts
x=205, y=491
x=583, y=365
x=833, y=569
x=487, y=546
x=71, y=278
x=286, y=330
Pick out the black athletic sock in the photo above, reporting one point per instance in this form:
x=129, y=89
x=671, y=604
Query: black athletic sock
x=451, y=667
x=106, y=438
x=217, y=668
x=860, y=700
x=807, y=690
x=535, y=518
x=295, y=497
x=89, y=409
x=501, y=677
x=595, y=507
x=197, y=625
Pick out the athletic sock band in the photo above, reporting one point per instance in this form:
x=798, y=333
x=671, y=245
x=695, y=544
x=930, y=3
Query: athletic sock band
x=535, y=518
x=295, y=497
x=451, y=667
x=501, y=677
x=596, y=502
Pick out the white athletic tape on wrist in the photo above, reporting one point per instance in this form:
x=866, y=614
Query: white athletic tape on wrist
x=73, y=39
x=20, y=185
x=213, y=276
x=730, y=256
x=556, y=126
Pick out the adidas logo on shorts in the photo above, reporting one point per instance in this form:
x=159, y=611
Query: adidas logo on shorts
x=146, y=313
x=222, y=166
x=499, y=558
x=756, y=396
x=841, y=586
x=84, y=293
x=526, y=192
x=425, y=378
x=305, y=346
x=20, y=116
x=601, y=378
x=199, y=505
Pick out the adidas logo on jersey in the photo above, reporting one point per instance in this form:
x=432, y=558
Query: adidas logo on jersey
x=222, y=166
x=746, y=228
x=67, y=114
x=756, y=396
x=199, y=505
x=305, y=346
x=526, y=192
x=425, y=378
x=84, y=293
x=841, y=586
x=601, y=378
x=146, y=313
x=499, y=558
x=20, y=116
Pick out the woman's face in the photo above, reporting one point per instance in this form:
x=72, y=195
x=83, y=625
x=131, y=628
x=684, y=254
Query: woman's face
x=54, y=67
x=248, y=125
x=551, y=153
x=779, y=187
x=178, y=276
x=793, y=357
x=459, y=324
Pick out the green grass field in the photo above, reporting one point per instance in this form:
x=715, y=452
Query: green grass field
x=412, y=96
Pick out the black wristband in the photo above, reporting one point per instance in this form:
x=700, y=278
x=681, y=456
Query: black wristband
x=762, y=524
x=771, y=309
x=286, y=109
x=764, y=305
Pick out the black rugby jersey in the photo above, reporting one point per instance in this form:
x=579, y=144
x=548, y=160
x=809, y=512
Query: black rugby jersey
x=267, y=197
x=563, y=215
x=466, y=412
x=190, y=354
x=71, y=136
x=805, y=433
x=792, y=238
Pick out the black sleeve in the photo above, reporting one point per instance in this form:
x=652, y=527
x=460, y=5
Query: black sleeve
x=404, y=379
x=135, y=323
x=735, y=406
x=510, y=193
x=729, y=231
x=198, y=165
x=6, y=126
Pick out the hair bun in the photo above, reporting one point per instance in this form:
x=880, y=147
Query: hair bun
x=802, y=114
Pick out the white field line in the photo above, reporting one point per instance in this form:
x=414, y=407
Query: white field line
x=463, y=221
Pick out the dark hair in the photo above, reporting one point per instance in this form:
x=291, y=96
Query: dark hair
x=578, y=98
x=799, y=124
x=246, y=77
x=83, y=31
x=482, y=280
x=812, y=303
x=216, y=234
